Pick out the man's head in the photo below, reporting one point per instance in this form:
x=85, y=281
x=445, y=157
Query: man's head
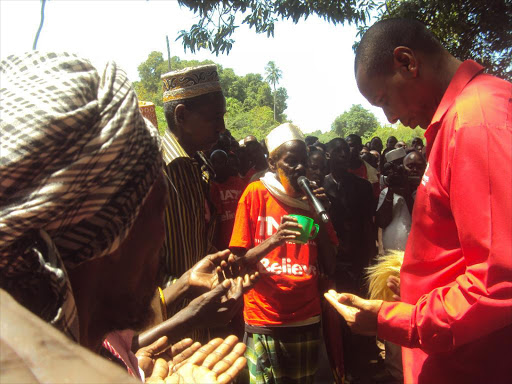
x=317, y=167
x=391, y=142
x=310, y=140
x=97, y=197
x=397, y=68
x=376, y=144
x=219, y=160
x=256, y=154
x=356, y=145
x=415, y=164
x=401, y=144
x=339, y=155
x=288, y=156
x=417, y=144
x=194, y=107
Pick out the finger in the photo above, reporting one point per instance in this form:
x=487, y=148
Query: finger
x=181, y=346
x=220, y=352
x=234, y=370
x=227, y=361
x=287, y=218
x=218, y=257
x=352, y=300
x=159, y=346
x=346, y=311
x=183, y=356
x=160, y=370
x=202, y=353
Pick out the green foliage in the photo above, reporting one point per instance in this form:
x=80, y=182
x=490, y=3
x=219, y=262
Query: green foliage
x=218, y=23
x=323, y=137
x=401, y=132
x=160, y=117
x=357, y=120
x=258, y=121
x=273, y=75
x=468, y=29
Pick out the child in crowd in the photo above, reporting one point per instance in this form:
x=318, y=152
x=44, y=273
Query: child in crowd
x=282, y=312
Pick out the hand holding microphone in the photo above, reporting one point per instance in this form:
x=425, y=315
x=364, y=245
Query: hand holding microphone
x=304, y=185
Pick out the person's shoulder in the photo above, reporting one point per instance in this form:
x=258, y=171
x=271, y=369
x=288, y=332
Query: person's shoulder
x=485, y=101
x=255, y=188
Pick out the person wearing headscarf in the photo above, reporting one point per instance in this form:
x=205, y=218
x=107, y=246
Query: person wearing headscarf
x=282, y=311
x=81, y=196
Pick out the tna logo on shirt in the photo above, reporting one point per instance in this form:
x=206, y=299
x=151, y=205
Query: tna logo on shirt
x=285, y=267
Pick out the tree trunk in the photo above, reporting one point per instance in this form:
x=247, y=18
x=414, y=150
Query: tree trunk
x=275, y=104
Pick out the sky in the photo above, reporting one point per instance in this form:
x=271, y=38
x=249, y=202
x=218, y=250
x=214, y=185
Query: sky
x=315, y=57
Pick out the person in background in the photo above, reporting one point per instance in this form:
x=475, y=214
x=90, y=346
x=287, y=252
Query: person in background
x=401, y=144
x=376, y=144
x=454, y=319
x=310, y=140
x=417, y=144
x=317, y=167
x=390, y=144
x=225, y=193
x=352, y=212
x=258, y=160
x=359, y=167
x=282, y=311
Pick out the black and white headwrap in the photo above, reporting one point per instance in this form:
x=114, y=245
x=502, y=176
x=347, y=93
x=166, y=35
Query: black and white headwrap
x=77, y=160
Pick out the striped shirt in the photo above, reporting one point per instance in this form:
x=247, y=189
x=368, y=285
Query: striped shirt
x=188, y=234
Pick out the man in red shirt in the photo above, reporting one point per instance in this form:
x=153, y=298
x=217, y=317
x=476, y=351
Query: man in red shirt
x=455, y=318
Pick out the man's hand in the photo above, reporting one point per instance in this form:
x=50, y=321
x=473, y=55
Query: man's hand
x=360, y=314
x=217, y=307
x=219, y=361
x=161, y=348
x=204, y=276
x=289, y=229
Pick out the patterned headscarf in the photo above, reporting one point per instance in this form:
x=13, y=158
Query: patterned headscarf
x=77, y=160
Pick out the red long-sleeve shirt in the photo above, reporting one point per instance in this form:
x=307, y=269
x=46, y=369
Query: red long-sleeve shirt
x=455, y=320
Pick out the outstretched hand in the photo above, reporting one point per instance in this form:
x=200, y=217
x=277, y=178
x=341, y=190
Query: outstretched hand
x=360, y=314
x=161, y=348
x=204, y=275
x=219, y=361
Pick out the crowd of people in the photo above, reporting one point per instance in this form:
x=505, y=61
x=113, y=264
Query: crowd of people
x=199, y=257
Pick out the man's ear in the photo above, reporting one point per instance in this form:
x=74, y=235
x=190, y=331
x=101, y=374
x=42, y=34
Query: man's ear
x=180, y=113
x=405, y=61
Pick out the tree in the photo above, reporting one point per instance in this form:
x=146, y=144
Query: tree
x=468, y=29
x=218, y=22
x=401, y=132
x=273, y=75
x=357, y=120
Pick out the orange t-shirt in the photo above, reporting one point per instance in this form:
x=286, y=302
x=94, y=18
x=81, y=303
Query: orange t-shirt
x=225, y=197
x=287, y=290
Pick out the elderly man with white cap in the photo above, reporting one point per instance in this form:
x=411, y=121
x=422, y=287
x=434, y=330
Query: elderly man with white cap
x=282, y=311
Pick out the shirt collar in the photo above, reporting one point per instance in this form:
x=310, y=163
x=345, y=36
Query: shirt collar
x=464, y=74
x=171, y=148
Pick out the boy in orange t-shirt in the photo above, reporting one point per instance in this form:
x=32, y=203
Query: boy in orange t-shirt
x=282, y=311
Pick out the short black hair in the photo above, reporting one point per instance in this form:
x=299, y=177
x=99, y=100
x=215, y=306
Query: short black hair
x=337, y=143
x=375, y=51
x=355, y=138
x=192, y=103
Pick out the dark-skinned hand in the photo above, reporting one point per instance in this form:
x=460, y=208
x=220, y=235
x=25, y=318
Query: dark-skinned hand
x=219, y=361
x=217, y=307
x=161, y=348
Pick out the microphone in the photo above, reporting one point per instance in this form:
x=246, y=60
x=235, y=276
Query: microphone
x=304, y=183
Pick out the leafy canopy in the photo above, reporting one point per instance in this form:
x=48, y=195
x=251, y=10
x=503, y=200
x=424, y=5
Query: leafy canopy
x=218, y=23
x=357, y=120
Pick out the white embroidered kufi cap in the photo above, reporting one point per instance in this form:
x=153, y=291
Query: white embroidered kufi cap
x=282, y=134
